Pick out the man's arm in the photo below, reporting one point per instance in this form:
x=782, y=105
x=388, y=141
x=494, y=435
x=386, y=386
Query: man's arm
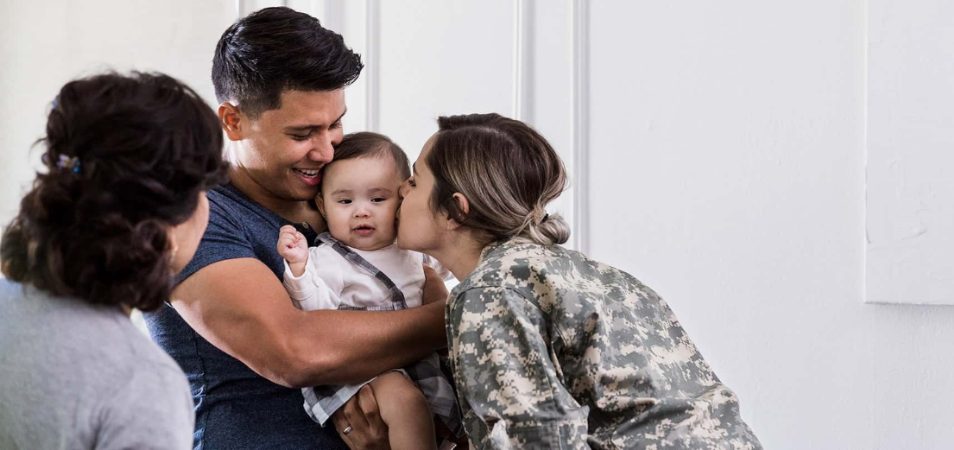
x=240, y=307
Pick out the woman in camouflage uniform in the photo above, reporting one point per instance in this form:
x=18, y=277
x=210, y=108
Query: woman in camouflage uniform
x=550, y=349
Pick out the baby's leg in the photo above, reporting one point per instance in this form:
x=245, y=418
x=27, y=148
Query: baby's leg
x=404, y=409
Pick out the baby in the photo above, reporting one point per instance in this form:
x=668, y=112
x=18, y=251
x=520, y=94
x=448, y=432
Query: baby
x=356, y=265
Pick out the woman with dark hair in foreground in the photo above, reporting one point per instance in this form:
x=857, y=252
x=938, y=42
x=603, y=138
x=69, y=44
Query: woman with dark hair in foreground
x=120, y=209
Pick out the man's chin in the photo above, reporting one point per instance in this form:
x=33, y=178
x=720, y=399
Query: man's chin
x=301, y=193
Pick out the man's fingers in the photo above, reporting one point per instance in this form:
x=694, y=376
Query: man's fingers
x=369, y=406
x=353, y=414
x=341, y=424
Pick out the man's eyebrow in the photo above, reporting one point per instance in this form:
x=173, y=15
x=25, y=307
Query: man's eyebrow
x=305, y=128
x=300, y=129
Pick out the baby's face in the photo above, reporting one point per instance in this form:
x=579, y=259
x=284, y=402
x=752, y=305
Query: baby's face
x=359, y=198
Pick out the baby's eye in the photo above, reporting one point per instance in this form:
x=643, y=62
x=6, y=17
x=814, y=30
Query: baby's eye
x=378, y=199
x=411, y=182
x=344, y=201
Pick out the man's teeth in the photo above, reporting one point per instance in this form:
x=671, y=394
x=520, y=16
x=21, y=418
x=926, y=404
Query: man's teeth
x=307, y=173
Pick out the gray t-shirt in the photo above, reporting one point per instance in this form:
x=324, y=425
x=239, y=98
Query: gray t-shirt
x=77, y=376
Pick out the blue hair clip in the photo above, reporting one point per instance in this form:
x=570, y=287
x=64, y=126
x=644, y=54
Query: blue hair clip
x=71, y=163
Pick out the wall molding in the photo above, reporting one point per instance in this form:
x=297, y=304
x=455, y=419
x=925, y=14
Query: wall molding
x=581, y=119
x=523, y=28
x=372, y=30
x=908, y=132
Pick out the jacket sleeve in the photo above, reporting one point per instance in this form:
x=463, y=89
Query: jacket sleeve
x=508, y=382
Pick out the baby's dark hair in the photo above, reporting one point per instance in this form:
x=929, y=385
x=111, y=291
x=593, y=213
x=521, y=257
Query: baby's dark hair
x=366, y=144
x=126, y=158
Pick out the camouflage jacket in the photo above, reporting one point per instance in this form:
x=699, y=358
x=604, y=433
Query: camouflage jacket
x=550, y=349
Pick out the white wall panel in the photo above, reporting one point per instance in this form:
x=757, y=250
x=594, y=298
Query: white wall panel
x=511, y=57
x=45, y=44
x=727, y=152
x=910, y=143
x=549, y=80
x=438, y=58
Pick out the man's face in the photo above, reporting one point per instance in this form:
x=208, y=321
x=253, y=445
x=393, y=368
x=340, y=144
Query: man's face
x=282, y=149
x=359, y=198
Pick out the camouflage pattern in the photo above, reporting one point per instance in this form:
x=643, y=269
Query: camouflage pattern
x=550, y=349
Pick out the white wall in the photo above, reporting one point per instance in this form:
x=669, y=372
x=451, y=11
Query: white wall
x=725, y=168
x=910, y=165
x=728, y=172
x=44, y=44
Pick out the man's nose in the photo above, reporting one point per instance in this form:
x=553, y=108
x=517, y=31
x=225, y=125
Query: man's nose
x=323, y=149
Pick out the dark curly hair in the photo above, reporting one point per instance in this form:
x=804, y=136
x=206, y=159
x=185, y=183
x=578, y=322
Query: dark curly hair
x=126, y=158
x=275, y=49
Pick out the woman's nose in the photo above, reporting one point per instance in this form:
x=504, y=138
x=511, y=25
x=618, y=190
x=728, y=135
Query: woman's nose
x=323, y=150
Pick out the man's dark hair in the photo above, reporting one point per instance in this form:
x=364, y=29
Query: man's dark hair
x=126, y=158
x=276, y=49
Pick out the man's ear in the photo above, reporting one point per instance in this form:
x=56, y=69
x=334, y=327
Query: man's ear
x=230, y=118
x=463, y=206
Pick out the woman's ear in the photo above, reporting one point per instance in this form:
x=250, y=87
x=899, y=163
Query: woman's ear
x=173, y=242
x=463, y=206
x=230, y=118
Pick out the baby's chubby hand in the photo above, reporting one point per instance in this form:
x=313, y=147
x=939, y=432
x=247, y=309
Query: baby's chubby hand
x=292, y=245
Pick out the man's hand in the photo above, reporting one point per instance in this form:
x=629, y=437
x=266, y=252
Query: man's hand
x=359, y=422
x=293, y=246
x=434, y=288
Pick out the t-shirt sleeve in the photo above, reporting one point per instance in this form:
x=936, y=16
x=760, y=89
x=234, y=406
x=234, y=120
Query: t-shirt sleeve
x=505, y=375
x=224, y=238
x=152, y=410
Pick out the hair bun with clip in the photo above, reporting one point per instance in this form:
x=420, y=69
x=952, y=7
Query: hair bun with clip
x=71, y=163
